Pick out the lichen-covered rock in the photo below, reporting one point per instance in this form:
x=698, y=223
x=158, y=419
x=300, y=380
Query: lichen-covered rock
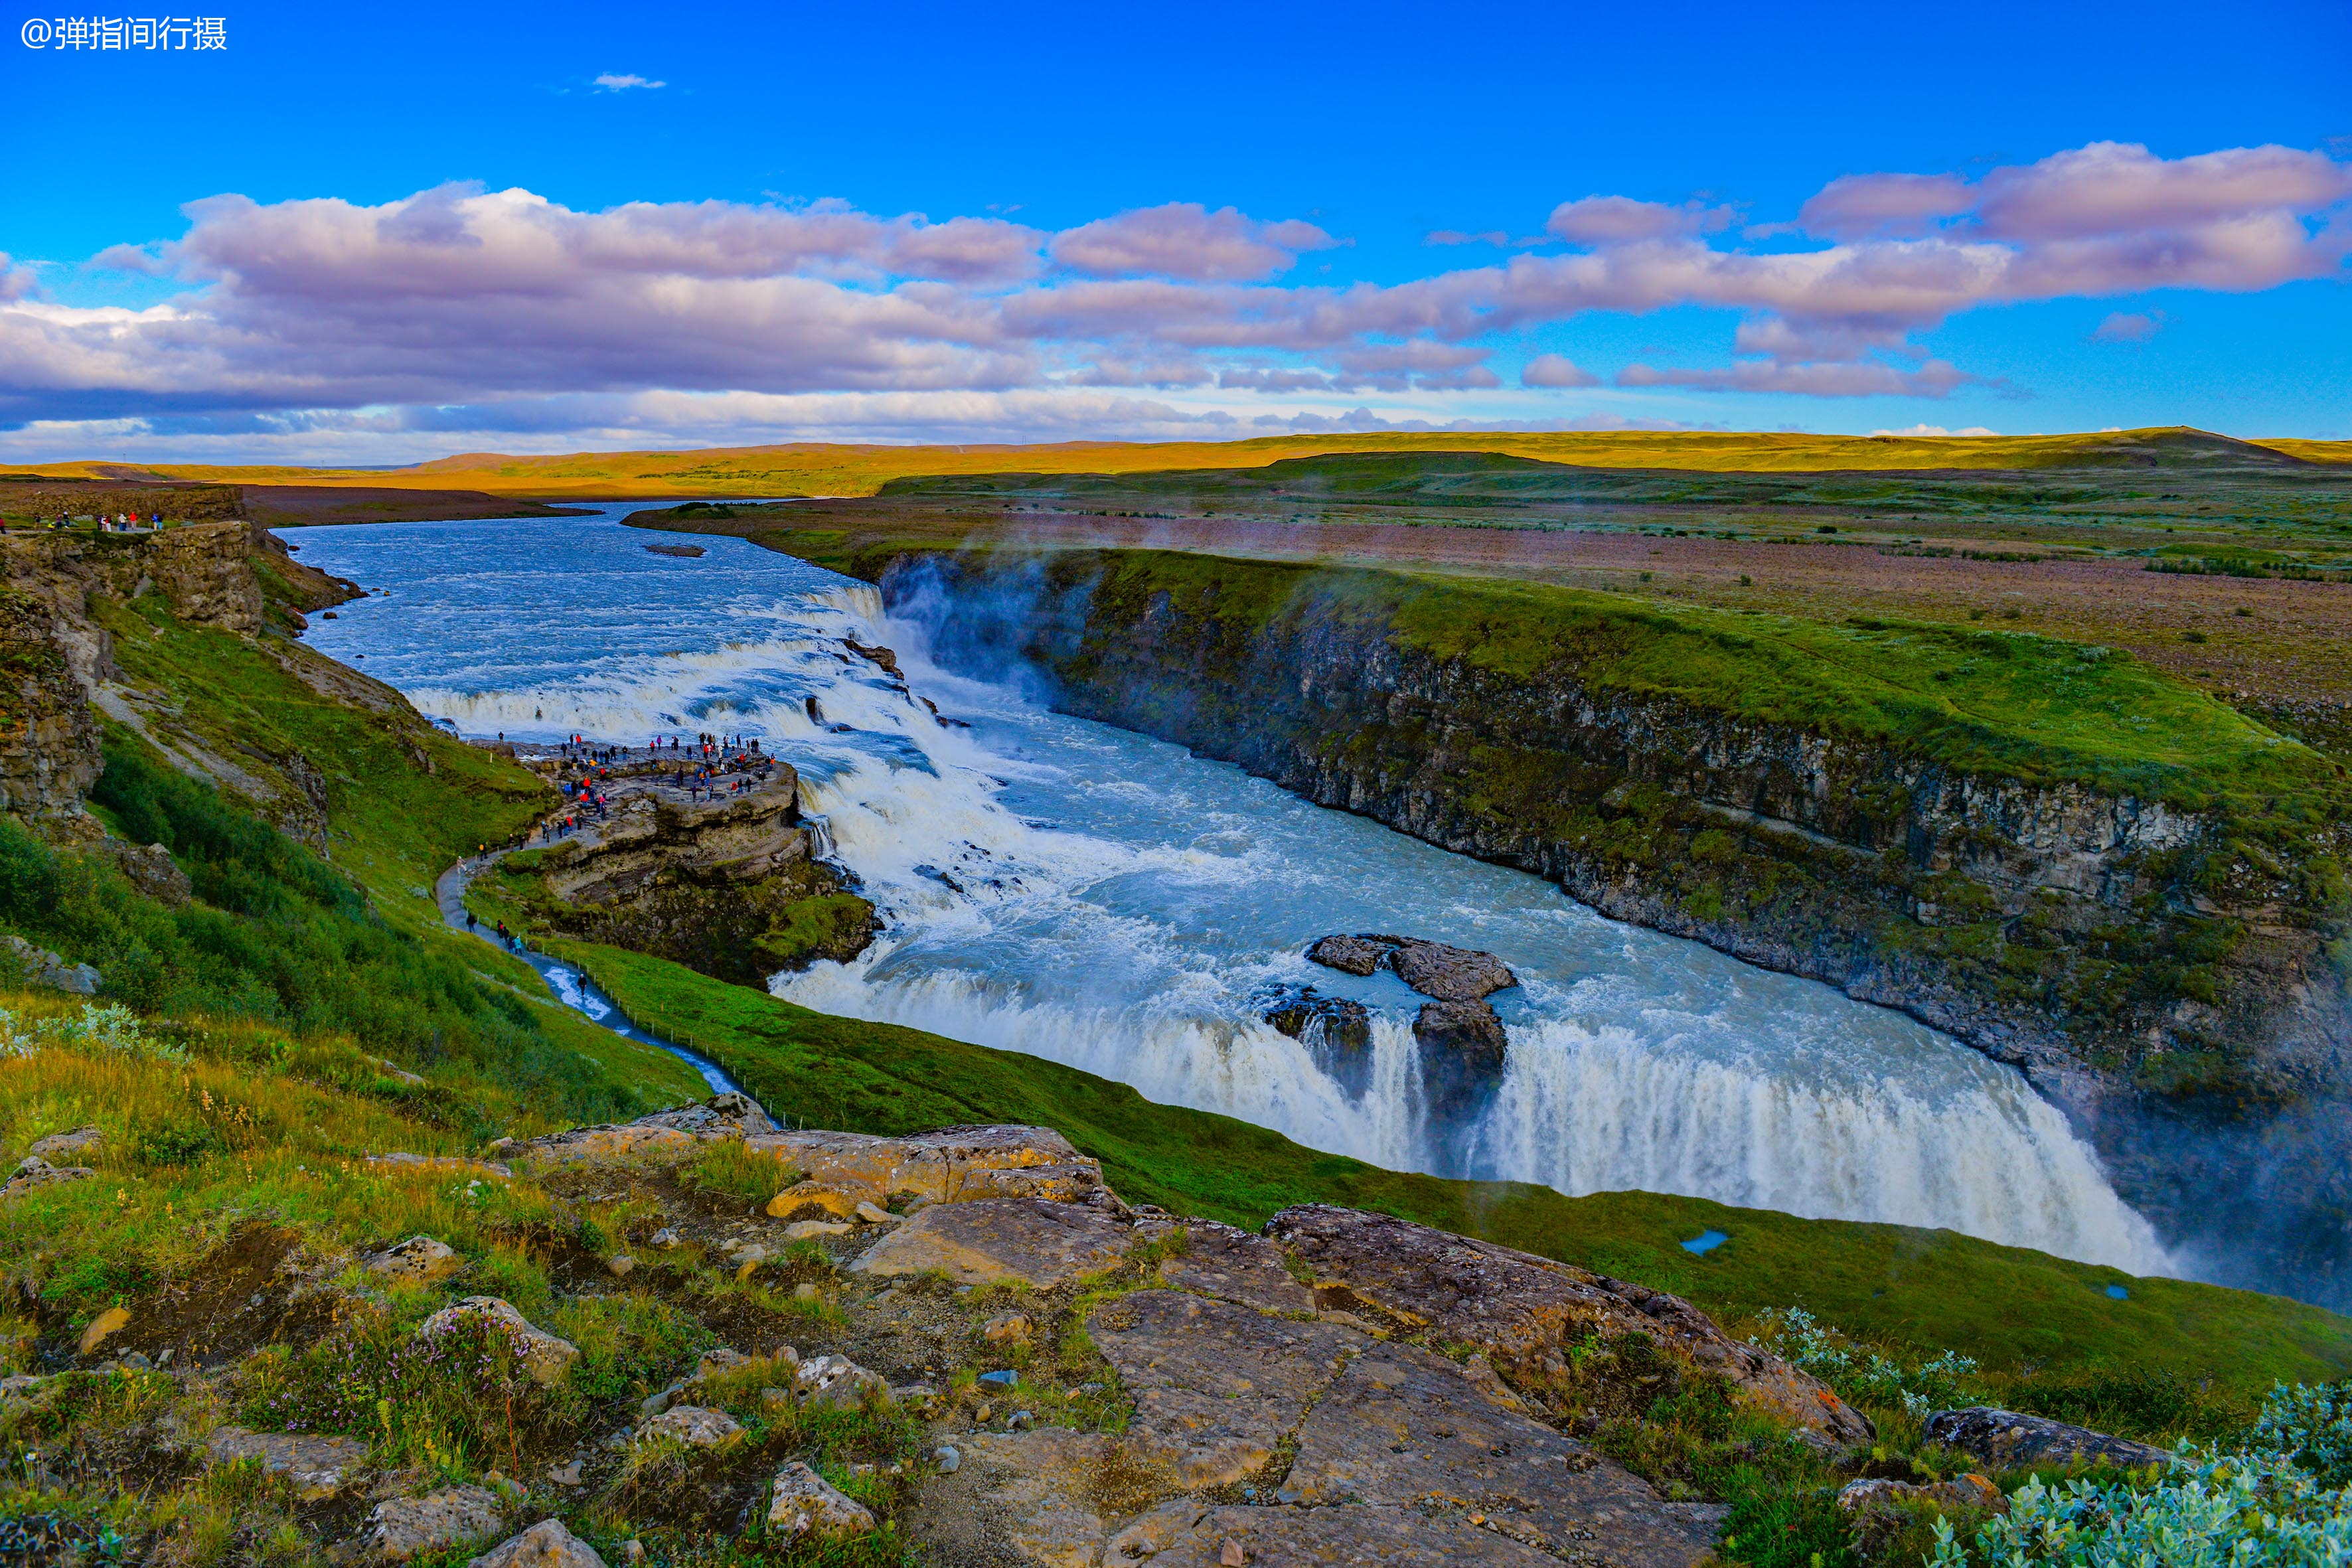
x=1968, y=1491
x=804, y=1506
x=403, y=1528
x=82, y=1142
x=1217, y=1387
x=1233, y=1265
x=837, y=1382
x=450, y=1164
x=419, y=1260
x=662, y=1137
x=2009, y=1440
x=1398, y=1426
x=316, y=1465
x=1524, y=1312
x=544, y=1357
x=693, y=1425
x=35, y=1172
x=1039, y=1243
x=950, y=1164
x=546, y=1544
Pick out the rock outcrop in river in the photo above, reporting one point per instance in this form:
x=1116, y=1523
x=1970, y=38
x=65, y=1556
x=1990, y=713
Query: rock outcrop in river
x=728, y=885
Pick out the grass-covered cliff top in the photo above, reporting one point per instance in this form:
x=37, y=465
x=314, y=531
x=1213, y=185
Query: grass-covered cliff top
x=1972, y=698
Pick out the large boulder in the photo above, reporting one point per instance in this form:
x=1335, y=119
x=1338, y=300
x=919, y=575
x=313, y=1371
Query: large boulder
x=1035, y=1241
x=2010, y=1441
x=546, y=1544
x=543, y=1356
x=316, y=1465
x=1523, y=1312
x=804, y=1506
x=1450, y=974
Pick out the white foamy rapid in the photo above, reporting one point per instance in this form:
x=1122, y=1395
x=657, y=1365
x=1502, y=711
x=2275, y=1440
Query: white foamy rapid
x=1059, y=888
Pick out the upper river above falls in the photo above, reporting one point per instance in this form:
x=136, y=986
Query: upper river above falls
x=1061, y=888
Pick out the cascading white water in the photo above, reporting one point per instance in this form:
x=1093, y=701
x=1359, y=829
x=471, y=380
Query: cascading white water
x=1059, y=888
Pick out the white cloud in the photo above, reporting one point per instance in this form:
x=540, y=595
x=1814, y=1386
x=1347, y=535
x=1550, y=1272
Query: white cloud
x=460, y=297
x=615, y=82
x=1917, y=430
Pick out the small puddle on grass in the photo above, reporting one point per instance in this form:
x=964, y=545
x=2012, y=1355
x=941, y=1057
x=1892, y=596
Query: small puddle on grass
x=1704, y=1242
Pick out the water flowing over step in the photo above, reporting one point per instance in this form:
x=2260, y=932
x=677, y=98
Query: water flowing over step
x=1059, y=888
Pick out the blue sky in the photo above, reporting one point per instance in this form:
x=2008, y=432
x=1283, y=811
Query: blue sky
x=2127, y=219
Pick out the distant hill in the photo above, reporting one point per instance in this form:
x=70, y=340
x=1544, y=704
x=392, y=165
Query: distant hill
x=822, y=469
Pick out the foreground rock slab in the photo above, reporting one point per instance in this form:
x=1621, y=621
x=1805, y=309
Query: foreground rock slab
x=1401, y=1426
x=1047, y=1494
x=2005, y=1438
x=1523, y=1311
x=1033, y=1240
x=1233, y=1265
x=1187, y=1534
x=1217, y=1387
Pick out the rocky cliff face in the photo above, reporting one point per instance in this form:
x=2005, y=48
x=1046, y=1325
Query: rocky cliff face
x=58, y=672
x=727, y=887
x=2150, y=972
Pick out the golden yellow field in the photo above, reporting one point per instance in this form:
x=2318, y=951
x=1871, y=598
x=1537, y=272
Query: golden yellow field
x=820, y=469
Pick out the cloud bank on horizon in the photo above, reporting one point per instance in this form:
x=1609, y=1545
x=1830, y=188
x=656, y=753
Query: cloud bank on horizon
x=323, y=324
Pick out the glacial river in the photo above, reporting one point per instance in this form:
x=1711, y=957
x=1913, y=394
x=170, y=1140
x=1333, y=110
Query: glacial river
x=1058, y=887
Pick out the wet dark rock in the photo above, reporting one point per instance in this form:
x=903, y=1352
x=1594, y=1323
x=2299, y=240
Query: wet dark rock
x=1337, y=1032
x=881, y=656
x=1463, y=1047
x=1450, y=974
x=1432, y=968
x=2005, y=1438
x=1352, y=954
x=687, y=551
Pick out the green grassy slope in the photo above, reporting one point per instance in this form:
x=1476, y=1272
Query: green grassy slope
x=2015, y=1309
